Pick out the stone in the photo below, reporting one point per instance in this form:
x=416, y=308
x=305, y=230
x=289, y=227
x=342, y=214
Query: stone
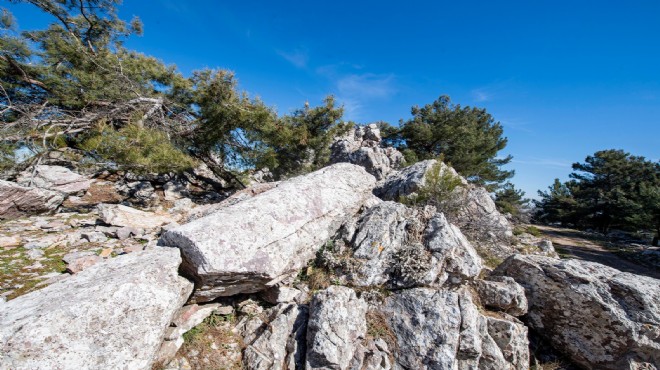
x=406, y=181
x=127, y=232
x=19, y=201
x=140, y=192
x=280, y=294
x=111, y=316
x=337, y=323
x=237, y=197
x=55, y=178
x=94, y=237
x=547, y=249
x=254, y=244
x=10, y=241
x=106, y=252
x=361, y=146
x=124, y=216
x=599, y=317
x=76, y=264
x=447, y=242
x=503, y=294
x=276, y=339
x=176, y=189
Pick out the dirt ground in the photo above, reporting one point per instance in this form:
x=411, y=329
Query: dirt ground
x=576, y=244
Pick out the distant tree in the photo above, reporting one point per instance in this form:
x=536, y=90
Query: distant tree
x=557, y=204
x=510, y=200
x=469, y=138
x=611, y=189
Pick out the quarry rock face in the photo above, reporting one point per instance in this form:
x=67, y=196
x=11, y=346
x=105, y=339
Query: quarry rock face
x=601, y=317
x=56, y=178
x=110, y=316
x=255, y=243
x=18, y=201
x=361, y=146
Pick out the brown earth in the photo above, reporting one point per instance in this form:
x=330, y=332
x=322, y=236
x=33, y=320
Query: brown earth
x=576, y=244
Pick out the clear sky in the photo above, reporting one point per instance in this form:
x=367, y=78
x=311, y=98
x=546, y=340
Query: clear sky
x=565, y=78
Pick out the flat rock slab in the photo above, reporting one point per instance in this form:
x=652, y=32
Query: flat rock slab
x=110, y=316
x=55, y=178
x=251, y=245
x=123, y=216
x=18, y=201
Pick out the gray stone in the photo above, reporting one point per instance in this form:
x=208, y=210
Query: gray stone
x=123, y=216
x=19, y=201
x=600, y=317
x=337, y=324
x=503, y=294
x=361, y=146
x=111, y=316
x=280, y=294
x=127, y=232
x=94, y=237
x=276, y=339
x=55, y=178
x=256, y=243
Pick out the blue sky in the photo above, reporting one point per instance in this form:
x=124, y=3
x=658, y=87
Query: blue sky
x=565, y=78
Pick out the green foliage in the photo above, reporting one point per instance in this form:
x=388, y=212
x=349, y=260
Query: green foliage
x=7, y=156
x=508, y=199
x=610, y=189
x=439, y=189
x=469, y=138
x=139, y=149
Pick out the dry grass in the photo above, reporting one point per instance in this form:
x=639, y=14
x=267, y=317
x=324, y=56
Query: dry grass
x=379, y=328
x=213, y=345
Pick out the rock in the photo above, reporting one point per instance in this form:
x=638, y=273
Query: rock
x=106, y=252
x=547, y=248
x=276, y=340
x=237, y=197
x=123, y=216
x=127, y=231
x=256, y=243
x=56, y=178
x=140, y=192
x=601, y=318
x=10, y=241
x=110, y=316
x=503, y=294
x=185, y=319
x=174, y=190
x=361, y=146
x=94, y=237
x=510, y=335
x=337, y=323
x=480, y=214
x=18, y=201
x=399, y=247
x=101, y=192
x=280, y=294
x=405, y=182
x=81, y=262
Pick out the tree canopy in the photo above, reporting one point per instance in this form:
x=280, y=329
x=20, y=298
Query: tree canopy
x=612, y=188
x=468, y=138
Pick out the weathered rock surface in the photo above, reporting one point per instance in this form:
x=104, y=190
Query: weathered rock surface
x=600, y=317
x=361, y=146
x=405, y=182
x=276, y=340
x=259, y=241
x=442, y=329
x=337, y=325
x=398, y=246
x=56, y=178
x=123, y=216
x=503, y=294
x=18, y=201
x=111, y=316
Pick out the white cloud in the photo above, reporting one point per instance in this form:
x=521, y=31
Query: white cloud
x=366, y=86
x=544, y=162
x=481, y=95
x=297, y=57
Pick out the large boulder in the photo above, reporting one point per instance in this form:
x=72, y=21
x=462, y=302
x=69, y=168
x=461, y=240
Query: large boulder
x=248, y=246
x=401, y=247
x=56, y=178
x=18, y=201
x=362, y=146
x=113, y=315
x=600, y=317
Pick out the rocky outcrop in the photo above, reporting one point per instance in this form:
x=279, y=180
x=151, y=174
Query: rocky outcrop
x=56, y=178
x=600, y=317
x=254, y=244
x=502, y=293
x=443, y=329
x=400, y=247
x=18, y=201
x=474, y=211
x=111, y=316
x=337, y=324
x=362, y=146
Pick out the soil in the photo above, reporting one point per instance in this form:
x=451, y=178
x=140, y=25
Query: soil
x=576, y=244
